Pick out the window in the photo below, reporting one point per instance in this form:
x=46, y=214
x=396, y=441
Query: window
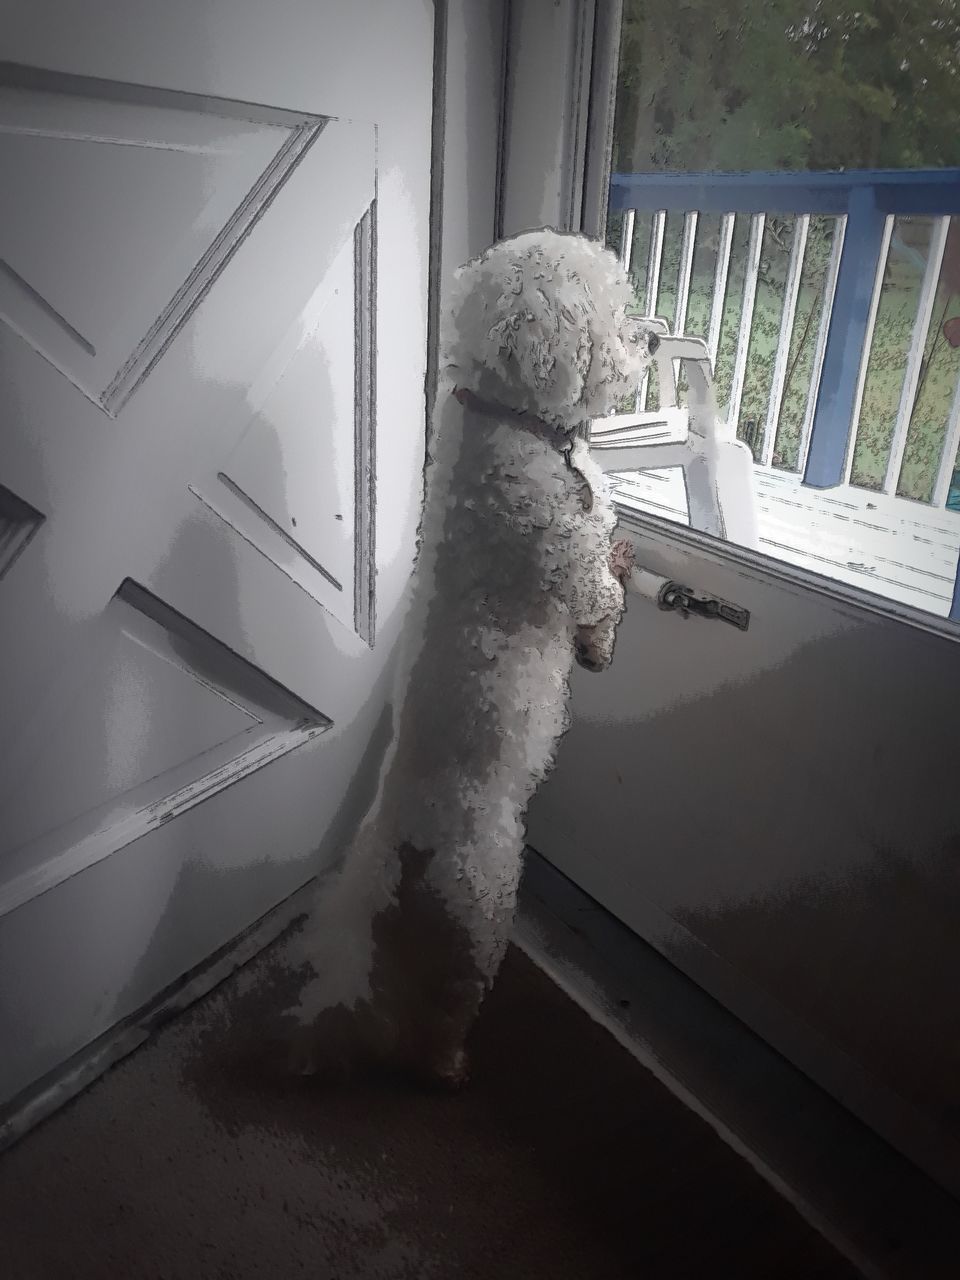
x=787, y=190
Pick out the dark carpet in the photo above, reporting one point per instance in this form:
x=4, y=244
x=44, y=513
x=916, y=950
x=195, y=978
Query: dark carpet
x=563, y=1159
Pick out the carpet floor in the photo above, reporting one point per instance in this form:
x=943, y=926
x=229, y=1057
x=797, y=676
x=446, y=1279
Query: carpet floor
x=564, y=1159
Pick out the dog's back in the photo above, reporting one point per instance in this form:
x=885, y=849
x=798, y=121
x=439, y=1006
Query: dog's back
x=487, y=690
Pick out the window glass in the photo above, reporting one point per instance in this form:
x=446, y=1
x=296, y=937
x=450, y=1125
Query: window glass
x=817, y=257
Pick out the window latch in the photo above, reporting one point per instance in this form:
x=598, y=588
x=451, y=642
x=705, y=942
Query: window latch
x=684, y=600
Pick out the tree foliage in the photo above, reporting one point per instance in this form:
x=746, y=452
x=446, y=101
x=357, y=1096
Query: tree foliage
x=773, y=84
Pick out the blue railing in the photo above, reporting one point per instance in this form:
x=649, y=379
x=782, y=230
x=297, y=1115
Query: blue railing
x=867, y=200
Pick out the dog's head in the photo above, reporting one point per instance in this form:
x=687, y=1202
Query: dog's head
x=539, y=324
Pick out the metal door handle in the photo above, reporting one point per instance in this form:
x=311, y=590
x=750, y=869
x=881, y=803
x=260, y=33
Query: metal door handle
x=671, y=595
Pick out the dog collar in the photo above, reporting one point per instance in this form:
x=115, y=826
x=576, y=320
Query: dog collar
x=545, y=430
x=492, y=409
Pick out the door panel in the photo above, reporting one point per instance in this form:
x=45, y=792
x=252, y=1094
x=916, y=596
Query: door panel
x=776, y=810
x=295, y=485
x=122, y=187
x=213, y=251
x=167, y=717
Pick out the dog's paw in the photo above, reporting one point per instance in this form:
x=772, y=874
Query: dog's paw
x=330, y=1049
x=623, y=558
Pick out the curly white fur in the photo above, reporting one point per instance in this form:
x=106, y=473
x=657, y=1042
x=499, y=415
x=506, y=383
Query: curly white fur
x=513, y=572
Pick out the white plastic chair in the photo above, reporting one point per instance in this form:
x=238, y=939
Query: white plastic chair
x=717, y=467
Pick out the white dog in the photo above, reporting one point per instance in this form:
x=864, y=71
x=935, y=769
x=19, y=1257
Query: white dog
x=516, y=576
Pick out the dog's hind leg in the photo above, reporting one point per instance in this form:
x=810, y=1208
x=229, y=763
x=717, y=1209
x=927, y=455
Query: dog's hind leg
x=425, y=979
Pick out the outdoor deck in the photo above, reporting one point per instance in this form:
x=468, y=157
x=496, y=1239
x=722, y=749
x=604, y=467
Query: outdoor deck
x=903, y=551
x=829, y=304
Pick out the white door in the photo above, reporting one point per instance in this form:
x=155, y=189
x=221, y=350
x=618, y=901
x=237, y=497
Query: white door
x=775, y=809
x=213, y=286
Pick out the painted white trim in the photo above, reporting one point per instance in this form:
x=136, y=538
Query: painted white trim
x=601, y=112
x=658, y=229
x=868, y=345
x=655, y=262
x=788, y=317
x=751, y=274
x=548, y=73
x=721, y=275
x=365, y=426
x=626, y=238
x=918, y=338
x=576, y=142
x=687, y=246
